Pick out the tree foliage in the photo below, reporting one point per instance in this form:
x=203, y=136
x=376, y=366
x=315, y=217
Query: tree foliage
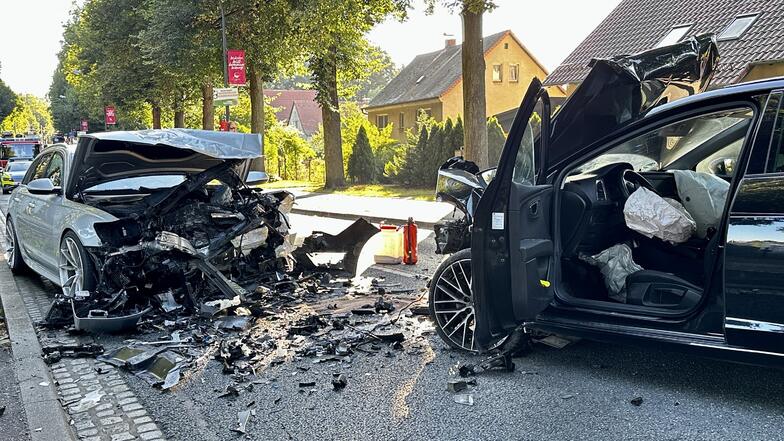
x=29, y=115
x=361, y=164
x=7, y=100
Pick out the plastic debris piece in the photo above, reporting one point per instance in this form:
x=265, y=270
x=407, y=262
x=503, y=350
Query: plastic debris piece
x=339, y=381
x=307, y=383
x=456, y=385
x=464, y=399
x=242, y=421
x=636, y=401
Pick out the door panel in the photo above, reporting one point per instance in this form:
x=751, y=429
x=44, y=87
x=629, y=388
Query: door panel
x=511, y=241
x=754, y=266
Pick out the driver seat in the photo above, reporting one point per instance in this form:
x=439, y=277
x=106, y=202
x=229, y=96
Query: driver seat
x=661, y=290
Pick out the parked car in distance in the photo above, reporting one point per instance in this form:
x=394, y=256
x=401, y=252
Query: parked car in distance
x=13, y=174
x=559, y=242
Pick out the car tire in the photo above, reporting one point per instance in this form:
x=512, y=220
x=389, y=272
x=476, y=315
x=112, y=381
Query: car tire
x=13, y=253
x=77, y=271
x=451, y=302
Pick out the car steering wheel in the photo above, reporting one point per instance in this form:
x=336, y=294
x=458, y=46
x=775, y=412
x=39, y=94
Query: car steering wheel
x=631, y=181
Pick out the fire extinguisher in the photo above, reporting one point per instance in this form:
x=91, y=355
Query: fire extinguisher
x=410, y=242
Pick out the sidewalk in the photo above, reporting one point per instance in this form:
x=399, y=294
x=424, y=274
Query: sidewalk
x=373, y=209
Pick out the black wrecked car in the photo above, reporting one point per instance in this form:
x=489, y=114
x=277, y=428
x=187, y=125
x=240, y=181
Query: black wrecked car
x=639, y=211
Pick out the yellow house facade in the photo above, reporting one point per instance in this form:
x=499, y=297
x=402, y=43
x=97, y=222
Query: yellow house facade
x=433, y=83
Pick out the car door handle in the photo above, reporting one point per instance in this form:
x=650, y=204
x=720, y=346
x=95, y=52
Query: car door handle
x=17, y=199
x=31, y=204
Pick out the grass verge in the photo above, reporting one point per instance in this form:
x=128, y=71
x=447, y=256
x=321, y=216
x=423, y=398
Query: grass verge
x=371, y=190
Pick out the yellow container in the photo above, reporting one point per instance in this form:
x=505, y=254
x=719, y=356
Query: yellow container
x=391, y=250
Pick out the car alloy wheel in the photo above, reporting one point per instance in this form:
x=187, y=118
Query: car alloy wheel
x=10, y=244
x=71, y=267
x=453, y=305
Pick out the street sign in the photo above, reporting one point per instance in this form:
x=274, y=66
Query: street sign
x=84, y=125
x=236, y=67
x=111, y=116
x=228, y=96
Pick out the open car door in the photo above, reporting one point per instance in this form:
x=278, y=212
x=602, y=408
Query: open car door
x=511, y=243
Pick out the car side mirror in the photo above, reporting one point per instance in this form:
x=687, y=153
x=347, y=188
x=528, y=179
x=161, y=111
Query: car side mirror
x=256, y=178
x=43, y=186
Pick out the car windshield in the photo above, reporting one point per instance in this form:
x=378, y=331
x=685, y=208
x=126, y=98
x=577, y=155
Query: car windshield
x=18, y=166
x=658, y=149
x=19, y=150
x=138, y=183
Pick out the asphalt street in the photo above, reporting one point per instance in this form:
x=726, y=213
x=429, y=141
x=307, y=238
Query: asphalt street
x=583, y=391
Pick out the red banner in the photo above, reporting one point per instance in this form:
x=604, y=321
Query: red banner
x=235, y=60
x=111, y=116
x=85, y=125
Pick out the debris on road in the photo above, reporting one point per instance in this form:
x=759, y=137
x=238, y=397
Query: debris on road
x=242, y=421
x=637, y=401
x=464, y=399
x=339, y=381
x=459, y=385
x=54, y=353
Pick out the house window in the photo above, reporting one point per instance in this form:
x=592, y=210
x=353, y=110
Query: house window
x=402, y=122
x=738, y=26
x=498, y=73
x=382, y=121
x=428, y=112
x=514, y=72
x=674, y=35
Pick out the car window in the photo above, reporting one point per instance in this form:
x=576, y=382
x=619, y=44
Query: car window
x=524, y=168
x=776, y=159
x=18, y=166
x=55, y=170
x=39, y=168
x=715, y=139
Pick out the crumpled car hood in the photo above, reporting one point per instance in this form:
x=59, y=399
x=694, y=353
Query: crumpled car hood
x=620, y=90
x=108, y=156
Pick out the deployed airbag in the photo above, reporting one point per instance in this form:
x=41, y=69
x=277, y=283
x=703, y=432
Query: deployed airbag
x=615, y=263
x=703, y=195
x=653, y=216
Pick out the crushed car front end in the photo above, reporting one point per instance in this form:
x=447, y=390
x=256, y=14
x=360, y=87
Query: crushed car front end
x=173, y=247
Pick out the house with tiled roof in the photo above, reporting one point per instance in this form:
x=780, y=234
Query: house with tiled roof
x=296, y=108
x=433, y=83
x=750, y=36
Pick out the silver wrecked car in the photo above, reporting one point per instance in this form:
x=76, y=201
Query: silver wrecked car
x=125, y=217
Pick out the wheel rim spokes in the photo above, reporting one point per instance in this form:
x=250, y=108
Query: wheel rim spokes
x=453, y=304
x=71, y=269
x=10, y=244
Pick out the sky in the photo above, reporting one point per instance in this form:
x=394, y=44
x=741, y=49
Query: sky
x=549, y=29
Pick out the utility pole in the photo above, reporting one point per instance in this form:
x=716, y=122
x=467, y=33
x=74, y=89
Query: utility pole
x=225, y=65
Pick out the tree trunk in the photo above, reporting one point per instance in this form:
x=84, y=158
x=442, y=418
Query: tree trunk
x=207, y=109
x=156, y=116
x=330, y=115
x=179, y=112
x=257, y=113
x=474, y=106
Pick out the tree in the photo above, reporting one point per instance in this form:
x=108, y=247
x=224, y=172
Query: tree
x=30, y=114
x=7, y=100
x=473, y=62
x=361, y=164
x=496, y=138
x=337, y=44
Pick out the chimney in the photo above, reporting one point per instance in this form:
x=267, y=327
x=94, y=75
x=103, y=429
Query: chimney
x=450, y=42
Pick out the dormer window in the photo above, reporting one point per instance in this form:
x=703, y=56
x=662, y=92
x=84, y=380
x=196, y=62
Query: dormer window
x=738, y=27
x=674, y=35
